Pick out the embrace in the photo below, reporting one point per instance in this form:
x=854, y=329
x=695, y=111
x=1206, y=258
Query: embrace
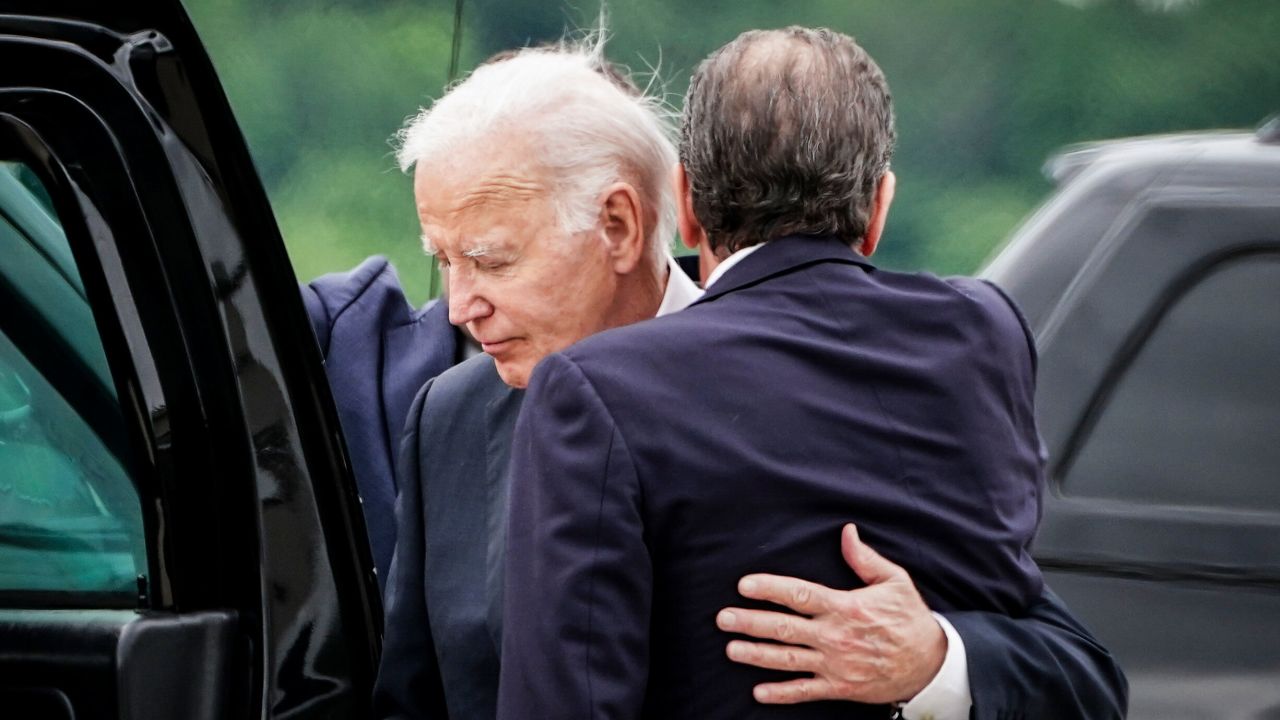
x=803, y=487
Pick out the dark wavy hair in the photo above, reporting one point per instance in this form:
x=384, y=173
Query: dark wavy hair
x=786, y=132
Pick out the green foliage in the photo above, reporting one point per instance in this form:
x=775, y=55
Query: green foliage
x=985, y=91
x=319, y=89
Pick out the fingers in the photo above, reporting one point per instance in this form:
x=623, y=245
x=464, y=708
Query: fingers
x=799, y=595
x=870, y=565
x=790, y=629
x=796, y=691
x=774, y=657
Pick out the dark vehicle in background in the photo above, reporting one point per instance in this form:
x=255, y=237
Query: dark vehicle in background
x=180, y=536
x=1152, y=283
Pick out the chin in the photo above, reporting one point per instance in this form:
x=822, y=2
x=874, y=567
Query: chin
x=514, y=374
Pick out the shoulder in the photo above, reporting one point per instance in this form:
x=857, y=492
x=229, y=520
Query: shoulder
x=565, y=396
x=972, y=305
x=634, y=350
x=635, y=373
x=329, y=297
x=630, y=343
x=1000, y=311
x=373, y=279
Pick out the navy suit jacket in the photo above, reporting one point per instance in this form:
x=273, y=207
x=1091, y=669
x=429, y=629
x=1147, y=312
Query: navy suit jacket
x=655, y=464
x=378, y=351
x=444, y=596
x=445, y=586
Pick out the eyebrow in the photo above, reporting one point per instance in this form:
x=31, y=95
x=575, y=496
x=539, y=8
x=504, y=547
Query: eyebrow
x=430, y=248
x=478, y=251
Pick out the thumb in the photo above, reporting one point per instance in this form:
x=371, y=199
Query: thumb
x=870, y=565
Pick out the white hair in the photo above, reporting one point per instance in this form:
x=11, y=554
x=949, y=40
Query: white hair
x=588, y=125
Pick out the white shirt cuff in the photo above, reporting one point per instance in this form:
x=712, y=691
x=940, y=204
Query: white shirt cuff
x=946, y=697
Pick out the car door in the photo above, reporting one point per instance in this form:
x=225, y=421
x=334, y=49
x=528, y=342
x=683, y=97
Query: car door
x=1160, y=405
x=179, y=533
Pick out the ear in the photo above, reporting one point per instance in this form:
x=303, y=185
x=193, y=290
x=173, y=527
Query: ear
x=879, y=213
x=623, y=226
x=691, y=232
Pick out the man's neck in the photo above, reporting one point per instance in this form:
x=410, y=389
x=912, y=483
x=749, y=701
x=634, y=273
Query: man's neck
x=639, y=296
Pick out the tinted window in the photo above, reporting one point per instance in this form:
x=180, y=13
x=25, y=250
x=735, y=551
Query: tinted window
x=1195, y=418
x=70, y=517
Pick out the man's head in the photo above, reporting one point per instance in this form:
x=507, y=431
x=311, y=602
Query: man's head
x=785, y=132
x=541, y=185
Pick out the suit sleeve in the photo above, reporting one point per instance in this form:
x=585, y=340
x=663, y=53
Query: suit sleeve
x=578, y=587
x=1043, y=666
x=408, y=684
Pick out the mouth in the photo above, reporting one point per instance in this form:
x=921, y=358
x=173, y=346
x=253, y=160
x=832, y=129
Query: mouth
x=497, y=346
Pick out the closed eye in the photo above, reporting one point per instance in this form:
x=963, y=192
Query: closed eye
x=491, y=264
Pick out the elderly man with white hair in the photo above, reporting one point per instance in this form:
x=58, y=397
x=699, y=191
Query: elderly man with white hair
x=542, y=186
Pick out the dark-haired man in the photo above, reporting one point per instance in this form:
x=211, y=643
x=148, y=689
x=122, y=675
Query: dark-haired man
x=655, y=464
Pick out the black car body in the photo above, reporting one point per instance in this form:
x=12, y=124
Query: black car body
x=155, y=354
x=1152, y=282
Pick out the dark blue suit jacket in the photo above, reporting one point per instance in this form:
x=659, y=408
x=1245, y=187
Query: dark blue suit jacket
x=444, y=596
x=653, y=465
x=378, y=351
x=441, y=652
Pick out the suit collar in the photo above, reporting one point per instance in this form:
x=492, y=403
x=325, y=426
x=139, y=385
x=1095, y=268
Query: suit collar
x=781, y=256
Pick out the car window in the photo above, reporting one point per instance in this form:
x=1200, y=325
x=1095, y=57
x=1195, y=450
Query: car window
x=70, y=517
x=1194, y=420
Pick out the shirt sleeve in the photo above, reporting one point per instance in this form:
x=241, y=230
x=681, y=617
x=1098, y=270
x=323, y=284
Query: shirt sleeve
x=946, y=697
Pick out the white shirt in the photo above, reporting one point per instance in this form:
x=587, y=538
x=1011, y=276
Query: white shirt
x=729, y=262
x=947, y=696
x=681, y=291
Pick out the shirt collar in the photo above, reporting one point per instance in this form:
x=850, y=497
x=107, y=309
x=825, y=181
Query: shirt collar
x=729, y=262
x=681, y=291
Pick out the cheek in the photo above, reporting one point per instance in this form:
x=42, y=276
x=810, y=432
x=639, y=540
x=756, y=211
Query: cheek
x=533, y=309
x=582, y=301
x=587, y=280
x=556, y=292
x=563, y=298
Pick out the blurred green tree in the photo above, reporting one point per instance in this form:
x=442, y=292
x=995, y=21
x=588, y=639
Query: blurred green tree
x=985, y=91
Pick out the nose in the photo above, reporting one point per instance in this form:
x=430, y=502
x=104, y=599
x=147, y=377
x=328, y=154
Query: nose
x=466, y=302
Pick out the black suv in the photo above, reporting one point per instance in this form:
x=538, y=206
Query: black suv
x=1152, y=282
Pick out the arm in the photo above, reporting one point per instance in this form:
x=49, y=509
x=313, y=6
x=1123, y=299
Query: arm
x=1042, y=665
x=575, y=640
x=408, y=684
x=880, y=644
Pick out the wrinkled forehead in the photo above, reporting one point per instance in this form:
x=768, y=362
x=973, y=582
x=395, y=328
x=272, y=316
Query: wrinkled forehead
x=488, y=177
x=472, y=202
x=493, y=189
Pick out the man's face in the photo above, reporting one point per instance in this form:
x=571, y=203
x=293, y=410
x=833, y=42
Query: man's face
x=522, y=286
